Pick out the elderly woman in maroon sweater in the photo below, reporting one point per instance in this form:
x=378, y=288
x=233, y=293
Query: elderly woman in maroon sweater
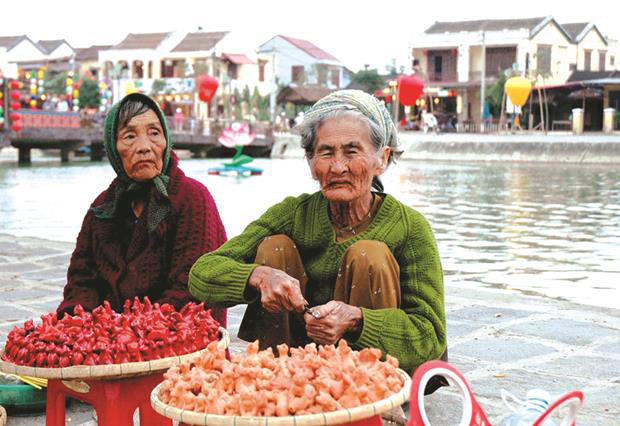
x=141, y=235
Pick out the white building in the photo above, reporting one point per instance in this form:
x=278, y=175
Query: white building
x=17, y=49
x=56, y=49
x=301, y=62
x=450, y=56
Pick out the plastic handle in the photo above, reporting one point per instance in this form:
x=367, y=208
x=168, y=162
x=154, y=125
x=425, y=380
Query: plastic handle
x=575, y=401
x=472, y=414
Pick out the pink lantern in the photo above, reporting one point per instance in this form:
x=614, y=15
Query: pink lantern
x=207, y=86
x=410, y=88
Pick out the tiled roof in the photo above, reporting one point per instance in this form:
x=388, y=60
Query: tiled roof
x=50, y=45
x=309, y=48
x=142, y=41
x=575, y=29
x=200, y=41
x=10, y=41
x=301, y=94
x=484, y=24
x=237, y=58
x=90, y=53
x=592, y=75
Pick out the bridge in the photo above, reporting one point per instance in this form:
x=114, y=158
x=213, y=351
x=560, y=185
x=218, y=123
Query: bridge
x=84, y=136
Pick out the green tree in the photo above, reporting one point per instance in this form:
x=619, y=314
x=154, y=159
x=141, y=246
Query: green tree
x=495, y=94
x=55, y=83
x=157, y=87
x=246, y=97
x=237, y=112
x=89, y=94
x=369, y=80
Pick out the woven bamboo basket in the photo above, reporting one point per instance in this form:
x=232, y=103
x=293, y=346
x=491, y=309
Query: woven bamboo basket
x=322, y=419
x=107, y=371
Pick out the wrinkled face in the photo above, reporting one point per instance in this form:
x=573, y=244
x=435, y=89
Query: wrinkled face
x=141, y=145
x=345, y=161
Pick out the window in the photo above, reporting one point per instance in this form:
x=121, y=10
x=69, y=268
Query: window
x=602, y=56
x=167, y=68
x=499, y=59
x=297, y=73
x=438, y=64
x=612, y=60
x=587, y=60
x=335, y=77
x=232, y=71
x=543, y=57
x=261, y=71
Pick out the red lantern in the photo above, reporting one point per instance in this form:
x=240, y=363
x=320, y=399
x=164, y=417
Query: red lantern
x=15, y=116
x=17, y=127
x=410, y=88
x=14, y=84
x=15, y=105
x=15, y=96
x=207, y=86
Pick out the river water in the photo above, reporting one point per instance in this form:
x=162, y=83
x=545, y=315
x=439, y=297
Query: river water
x=546, y=229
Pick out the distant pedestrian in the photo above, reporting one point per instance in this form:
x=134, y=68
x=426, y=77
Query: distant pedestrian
x=179, y=119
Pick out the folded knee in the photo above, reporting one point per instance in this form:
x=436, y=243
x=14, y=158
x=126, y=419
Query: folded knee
x=278, y=242
x=369, y=252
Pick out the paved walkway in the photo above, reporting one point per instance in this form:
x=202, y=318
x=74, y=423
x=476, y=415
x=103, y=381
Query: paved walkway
x=497, y=339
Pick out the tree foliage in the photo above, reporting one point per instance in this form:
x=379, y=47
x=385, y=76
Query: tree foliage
x=495, y=94
x=55, y=83
x=369, y=80
x=89, y=94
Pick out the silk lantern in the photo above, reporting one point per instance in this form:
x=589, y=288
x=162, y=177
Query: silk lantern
x=518, y=89
x=207, y=86
x=410, y=88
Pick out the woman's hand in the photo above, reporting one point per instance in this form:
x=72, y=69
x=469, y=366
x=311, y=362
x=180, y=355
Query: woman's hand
x=328, y=323
x=279, y=292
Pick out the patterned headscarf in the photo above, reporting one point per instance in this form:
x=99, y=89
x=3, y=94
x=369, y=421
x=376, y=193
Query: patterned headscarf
x=158, y=207
x=357, y=100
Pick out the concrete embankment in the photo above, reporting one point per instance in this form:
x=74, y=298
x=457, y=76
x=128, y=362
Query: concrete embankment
x=520, y=147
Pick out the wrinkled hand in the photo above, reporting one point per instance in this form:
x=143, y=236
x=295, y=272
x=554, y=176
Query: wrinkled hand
x=331, y=321
x=279, y=292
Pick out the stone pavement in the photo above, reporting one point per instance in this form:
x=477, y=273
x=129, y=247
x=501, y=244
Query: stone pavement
x=497, y=339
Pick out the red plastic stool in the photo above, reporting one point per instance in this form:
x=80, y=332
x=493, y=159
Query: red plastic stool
x=115, y=400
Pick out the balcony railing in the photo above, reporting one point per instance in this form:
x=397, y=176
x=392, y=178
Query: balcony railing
x=438, y=77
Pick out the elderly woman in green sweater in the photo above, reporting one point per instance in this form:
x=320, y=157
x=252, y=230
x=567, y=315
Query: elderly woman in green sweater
x=345, y=262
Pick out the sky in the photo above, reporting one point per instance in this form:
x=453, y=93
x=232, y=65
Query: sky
x=356, y=32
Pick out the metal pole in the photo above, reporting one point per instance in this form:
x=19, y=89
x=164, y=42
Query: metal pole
x=483, y=78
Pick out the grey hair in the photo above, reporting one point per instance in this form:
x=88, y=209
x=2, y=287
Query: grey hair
x=309, y=128
x=130, y=109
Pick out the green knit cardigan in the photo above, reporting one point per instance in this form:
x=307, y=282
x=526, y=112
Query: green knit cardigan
x=414, y=333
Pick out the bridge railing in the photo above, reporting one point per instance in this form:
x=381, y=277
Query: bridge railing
x=49, y=119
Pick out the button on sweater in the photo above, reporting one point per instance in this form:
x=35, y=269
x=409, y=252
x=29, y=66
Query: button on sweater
x=414, y=333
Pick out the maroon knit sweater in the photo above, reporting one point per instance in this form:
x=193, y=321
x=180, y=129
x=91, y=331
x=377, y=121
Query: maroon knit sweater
x=115, y=259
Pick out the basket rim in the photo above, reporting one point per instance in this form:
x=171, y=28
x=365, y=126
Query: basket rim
x=127, y=369
x=346, y=415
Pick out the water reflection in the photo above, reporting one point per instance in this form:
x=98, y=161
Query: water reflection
x=542, y=229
